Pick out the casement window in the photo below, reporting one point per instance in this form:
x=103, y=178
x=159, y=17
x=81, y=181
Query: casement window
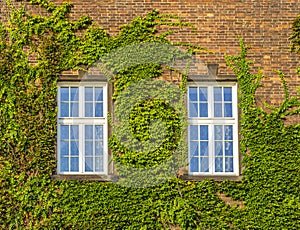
x=213, y=130
x=82, y=128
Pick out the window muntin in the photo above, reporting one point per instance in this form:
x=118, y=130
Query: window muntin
x=212, y=133
x=82, y=129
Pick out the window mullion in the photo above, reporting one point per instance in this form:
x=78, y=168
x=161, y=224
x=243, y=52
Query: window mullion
x=210, y=101
x=69, y=149
x=81, y=101
x=81, y=147
x=211, y=148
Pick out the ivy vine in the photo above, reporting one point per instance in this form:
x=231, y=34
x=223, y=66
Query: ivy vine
x=29, y=199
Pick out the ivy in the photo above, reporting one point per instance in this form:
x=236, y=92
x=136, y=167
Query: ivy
x=35, y=50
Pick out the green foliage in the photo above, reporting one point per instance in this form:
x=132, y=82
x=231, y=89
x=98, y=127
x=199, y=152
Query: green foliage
x=271, y=153
x=29, y=199
x=295, y=37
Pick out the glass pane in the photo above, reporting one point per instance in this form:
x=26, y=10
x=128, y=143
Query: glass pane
x=64, y=132
x=74, y=110
x=98, y=164
x=74, y=148
x=193, y=132
x=203, y=132
x=217, y=110
x=74, y=164
x=74, y=94
x=218, y=132
x=218, y=148
x=228, y=148
x=193, y=94
x=98, y=132
x=218, y=94
x=88, y=94
x=98, y=94
x=64, y=164
x=193, y=110
x=99, y=110
x=203, y=94
x=194, y=148
x=228, y=110
x=88, y=132
x=88, y=164
x=203, y=110
x=227, y=94
x=194, y=164
x=64, y=93
x=64, y=148
x=203, y=148
x=88, y=151
x=89, y=109
x=218, y=164
x=98, y=148
x=204, y=166
x=74, y=132
x=228, y=132
x=64, y=109
x=229, y=165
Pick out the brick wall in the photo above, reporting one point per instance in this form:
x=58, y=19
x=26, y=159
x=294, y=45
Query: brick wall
x=266, y=25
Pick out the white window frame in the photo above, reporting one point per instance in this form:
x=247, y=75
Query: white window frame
x=211, y=121
x=81, y=121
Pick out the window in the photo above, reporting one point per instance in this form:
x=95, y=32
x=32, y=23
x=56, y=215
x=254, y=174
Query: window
x=213, y=132
x=82, y=128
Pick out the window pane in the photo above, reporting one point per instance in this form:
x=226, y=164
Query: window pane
x=203, y=94
x=228, y=164
x=99, y=164
x=193, y=110
x=228, y=148
x=227, y=94
x=218, y=148
x=203, y=132
x=74, y=94
x=89, y=109
x=218, y=94
x=98, y=148
x=203, y=148
x=88, y=164
x=64, y=164
x=204, y=166
x=228, y=132
x=74, y=164
x=98, y=132
x=64, y=132
x=88, y=148
x=218, y=129
x=88, y=132
x=88, y=94
x=228, y=110
x=74, y=148
x=98, y=94
x=194, y=149
x=193, y=94
x=64, y=93
x=219, y=164
x=64, y=109
x=203, y=110
x=99, y=110
x=194, y=164
x=74, y=132
x=64, y=148
x=217, y=110
x=74, y=110
x=193, y=132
